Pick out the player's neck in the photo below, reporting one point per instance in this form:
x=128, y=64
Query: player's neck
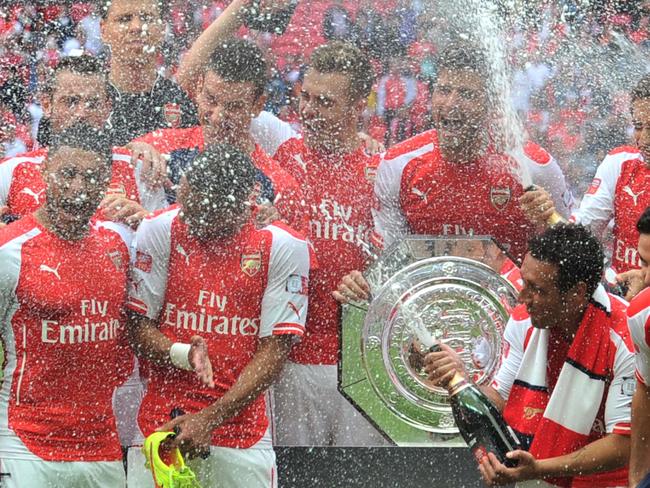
x=130, y=76
x=335, y=144
x=66, y=230
x=570, y=323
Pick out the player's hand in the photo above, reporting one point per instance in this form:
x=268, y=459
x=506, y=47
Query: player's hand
x=496, y=474
x=442, y=366
x=265, y=215
x=635, y=279
x=200, y=361
x=373, y=146
x=194, y=433
x=119, y=208
x=537, y=205
x=353, y=288
x=154, y=164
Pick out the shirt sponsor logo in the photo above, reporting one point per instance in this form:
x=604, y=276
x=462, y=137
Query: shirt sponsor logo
x=593, y=188
x=297, y=284
x=185, y=254
x=143, y=261
x=97, y=326
x=500, y=197
x=172, y=114
x=202, y=321
x=626, y=254
x=251, y=263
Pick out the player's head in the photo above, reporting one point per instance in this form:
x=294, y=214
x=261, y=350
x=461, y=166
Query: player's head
x=76, y=172
x=640, y=105
x=643, y=248
x=334, y=92
x=134, y=29
x=216, y=192
x=77, y=91
x=560, y=272
x=459, y=102
x=232, y=91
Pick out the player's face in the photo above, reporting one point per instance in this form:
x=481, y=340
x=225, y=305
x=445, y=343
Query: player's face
x=133, y=29
x=546, y=305
x=325, y=104
x=644, y=253
x=76, y=181
x=78, y=98
x=641, y=124
x=226, y=109
x=459, y=105
x=204, y=216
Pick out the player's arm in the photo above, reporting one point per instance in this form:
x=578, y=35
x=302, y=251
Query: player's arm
x=640, y=455
x=194, y=61
x=390, y=222
x=597, y=205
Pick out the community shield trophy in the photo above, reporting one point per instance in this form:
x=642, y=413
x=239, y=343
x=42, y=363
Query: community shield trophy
x=451, y=286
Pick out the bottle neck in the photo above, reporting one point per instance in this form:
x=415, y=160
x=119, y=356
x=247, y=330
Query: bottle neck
x=457, y=384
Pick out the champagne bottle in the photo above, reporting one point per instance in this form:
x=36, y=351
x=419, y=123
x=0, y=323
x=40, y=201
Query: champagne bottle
x=479, y=422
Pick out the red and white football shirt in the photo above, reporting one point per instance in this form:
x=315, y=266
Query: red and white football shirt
x=620, y=190
x=276, y=186
x=421, y=193
x=232, y=292
x=338, y=194
x=638, y=314
x=22, y=188
x=63, y=334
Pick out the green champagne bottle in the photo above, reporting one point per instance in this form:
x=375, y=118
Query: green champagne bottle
x=480, y=423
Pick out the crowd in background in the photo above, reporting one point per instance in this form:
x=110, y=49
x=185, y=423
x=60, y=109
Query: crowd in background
x=562, y=58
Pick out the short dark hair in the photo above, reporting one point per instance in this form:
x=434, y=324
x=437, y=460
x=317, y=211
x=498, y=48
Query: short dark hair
x=342, y=57
x=643, y=224
x=575, y=251
x=462, y=55
x=224, y=174
x=85, y=137
x=642, y=89
x=240, y=61
x=80, y=65
x=105, y=5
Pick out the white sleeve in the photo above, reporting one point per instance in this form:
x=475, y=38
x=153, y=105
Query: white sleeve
x=149, y=270
x=390, y=222
x=618, y=405
x=597, y=206
x=270, y=132
x=551, y=178
x=639, y=324
x=284, y=304
x=513, y=353
x=124, y=231
x=150, y=198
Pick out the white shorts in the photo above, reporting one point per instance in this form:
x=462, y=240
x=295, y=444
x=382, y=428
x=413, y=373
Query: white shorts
x=308, y=410
x=18, y=473
x=224, y=468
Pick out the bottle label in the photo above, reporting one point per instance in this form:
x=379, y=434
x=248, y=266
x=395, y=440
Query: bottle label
x=479, y=452
x=456, y=387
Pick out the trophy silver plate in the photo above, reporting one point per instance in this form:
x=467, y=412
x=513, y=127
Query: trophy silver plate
x=451, y=288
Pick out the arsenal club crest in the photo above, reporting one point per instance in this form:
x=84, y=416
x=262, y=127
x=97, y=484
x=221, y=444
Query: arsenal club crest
x=172, y=114
x=251, y=263
x=371, y=173
x=500, y=197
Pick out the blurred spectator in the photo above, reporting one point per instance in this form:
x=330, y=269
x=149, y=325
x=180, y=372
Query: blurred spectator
x=337, y=25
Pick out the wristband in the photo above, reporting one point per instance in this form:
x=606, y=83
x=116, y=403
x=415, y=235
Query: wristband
x=179, y=354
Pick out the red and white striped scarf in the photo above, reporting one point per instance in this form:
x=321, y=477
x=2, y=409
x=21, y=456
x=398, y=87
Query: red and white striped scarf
x=558, y=423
